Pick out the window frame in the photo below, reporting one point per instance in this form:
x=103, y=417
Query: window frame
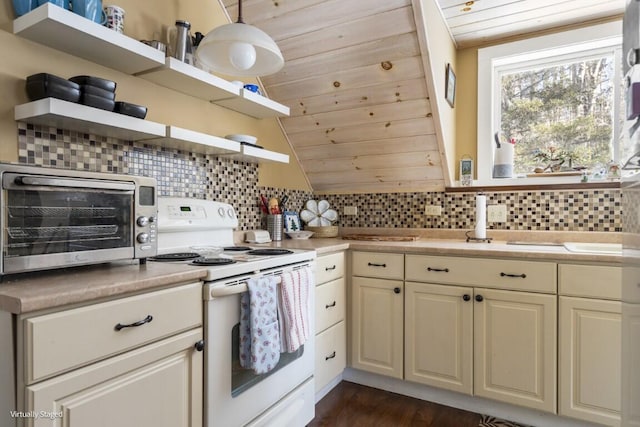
x=536, y=49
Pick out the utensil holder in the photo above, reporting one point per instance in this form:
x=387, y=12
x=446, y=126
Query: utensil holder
x=275, y=226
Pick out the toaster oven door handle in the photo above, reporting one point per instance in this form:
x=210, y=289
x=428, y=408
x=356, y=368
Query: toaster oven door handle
x=43, y=181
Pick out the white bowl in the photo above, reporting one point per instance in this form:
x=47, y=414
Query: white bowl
x=300, y=235
x=242, y=138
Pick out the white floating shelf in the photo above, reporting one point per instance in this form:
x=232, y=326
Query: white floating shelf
x=188, y=140
x=255, y=105
x=190, y=80
x=63, y=30
x=78, y=117
x=251, y=154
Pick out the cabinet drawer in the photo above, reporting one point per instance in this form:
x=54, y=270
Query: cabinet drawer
x=376, y=264
x=64, y=340
x=331, y=354
x=329, y=267
x=489, y=273
x=590, y=281
x=330, y=304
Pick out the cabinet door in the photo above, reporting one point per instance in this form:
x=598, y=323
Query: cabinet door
x=158, y=385
x=589, y=359
x=439, y=336
x=377, y=326
x=515, y=347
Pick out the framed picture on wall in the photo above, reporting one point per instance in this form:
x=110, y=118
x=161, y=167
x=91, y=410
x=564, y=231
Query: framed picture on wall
x=291, y=221
x=450, y=85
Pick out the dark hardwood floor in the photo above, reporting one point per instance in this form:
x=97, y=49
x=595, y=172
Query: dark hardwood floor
x=354, y=405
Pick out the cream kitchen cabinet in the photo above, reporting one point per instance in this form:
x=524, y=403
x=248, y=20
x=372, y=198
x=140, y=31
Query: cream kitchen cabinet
x=331, y=340
x=131, y=362
x=485, y=341
x=590, y=330
x=377, y=313
x=439, y=336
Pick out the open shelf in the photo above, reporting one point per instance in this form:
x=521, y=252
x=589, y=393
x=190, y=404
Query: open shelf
x=251, y=154
x=80, y=118
x=66, y=31
x=188, y=140
x=255, y=105
x=190, y=80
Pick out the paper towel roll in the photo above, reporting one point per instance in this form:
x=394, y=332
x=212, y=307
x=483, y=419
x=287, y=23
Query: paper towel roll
x=481, y=216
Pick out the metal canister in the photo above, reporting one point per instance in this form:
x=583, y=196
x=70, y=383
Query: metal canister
x=183, y=41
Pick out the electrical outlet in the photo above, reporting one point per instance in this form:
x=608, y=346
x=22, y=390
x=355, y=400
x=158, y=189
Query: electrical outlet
x=497, y=213
x=350, y=210
x=433, y=210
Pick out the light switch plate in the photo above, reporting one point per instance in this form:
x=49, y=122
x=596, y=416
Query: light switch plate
x=350, y=210
x=433, y=210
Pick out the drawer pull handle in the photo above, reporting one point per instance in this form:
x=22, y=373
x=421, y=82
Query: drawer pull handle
x=331, y=356
x=438, y=270
x=373, y=264
x=330, y=268
x=522, y=276
x=333, y=304
x=147, y=319
x=199, y=345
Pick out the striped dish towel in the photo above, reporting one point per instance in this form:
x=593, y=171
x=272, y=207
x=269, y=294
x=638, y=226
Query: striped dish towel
x=294, y=307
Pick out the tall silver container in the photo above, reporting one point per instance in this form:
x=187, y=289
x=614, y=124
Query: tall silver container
x=275, y=226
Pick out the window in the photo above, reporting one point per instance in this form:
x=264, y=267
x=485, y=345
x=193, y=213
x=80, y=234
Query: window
x=552, y=104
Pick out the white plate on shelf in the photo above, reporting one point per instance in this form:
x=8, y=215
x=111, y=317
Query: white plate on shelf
x=300, y=235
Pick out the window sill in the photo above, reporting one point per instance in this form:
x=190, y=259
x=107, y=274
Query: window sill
x=534, y=187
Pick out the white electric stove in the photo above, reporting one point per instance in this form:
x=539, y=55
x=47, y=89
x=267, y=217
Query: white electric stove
x=193, y=231
x=190, y=229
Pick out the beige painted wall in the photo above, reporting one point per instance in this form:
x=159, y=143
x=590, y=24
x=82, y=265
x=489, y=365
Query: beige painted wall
x=467, y=96
x=23, y=58
x=441, y=51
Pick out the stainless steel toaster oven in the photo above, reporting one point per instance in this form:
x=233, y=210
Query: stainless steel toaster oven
x=59, y=218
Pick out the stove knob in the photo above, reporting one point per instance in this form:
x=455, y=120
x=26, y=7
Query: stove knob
x=230, y=213
x=221, y=212
x=143, y=238
x=152, y=219
x=142, y=221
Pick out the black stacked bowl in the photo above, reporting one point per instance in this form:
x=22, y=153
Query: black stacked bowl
x=96, y=92
x=43, y=85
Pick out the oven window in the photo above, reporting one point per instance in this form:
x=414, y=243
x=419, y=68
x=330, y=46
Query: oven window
x=47, y=222
x=243, y=379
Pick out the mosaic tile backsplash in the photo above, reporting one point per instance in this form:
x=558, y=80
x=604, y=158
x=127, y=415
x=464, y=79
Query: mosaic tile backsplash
x=202, y=176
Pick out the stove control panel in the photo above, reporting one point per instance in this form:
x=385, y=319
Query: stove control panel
x=186, y=214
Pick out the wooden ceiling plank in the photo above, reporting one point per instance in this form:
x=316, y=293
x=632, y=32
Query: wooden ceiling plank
x=520, y=12
x=370, y=53
x=375, y=131
x=408, y=144
x=518, y=27
x=378, y=161
x=255, y=11
x=322, y=15
x=396, y=91
x=384, y=187
x=455, y=11
x=381, y=25
x=359, y=116
x=403, y=69
x=416, y=173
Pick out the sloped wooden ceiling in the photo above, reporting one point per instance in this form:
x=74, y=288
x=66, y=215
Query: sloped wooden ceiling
x=354, y=80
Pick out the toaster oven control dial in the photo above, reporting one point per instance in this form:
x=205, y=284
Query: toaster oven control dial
x=142, y=221
x=143, y=238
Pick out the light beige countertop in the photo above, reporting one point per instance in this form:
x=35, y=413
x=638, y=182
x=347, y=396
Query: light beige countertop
x=55, y=288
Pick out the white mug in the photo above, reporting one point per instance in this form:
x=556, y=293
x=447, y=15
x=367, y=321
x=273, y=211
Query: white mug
x=115, y=18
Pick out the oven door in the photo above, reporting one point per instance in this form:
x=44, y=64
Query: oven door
x=52, y=222
x=236, y=396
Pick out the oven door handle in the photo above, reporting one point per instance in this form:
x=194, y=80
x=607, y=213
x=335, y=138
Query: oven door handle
x=42, y=181
x=225, y=291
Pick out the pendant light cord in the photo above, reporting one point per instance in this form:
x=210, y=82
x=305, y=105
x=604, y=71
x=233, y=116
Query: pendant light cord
x=239, y=21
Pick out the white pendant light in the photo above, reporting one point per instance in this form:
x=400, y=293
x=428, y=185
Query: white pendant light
x=239, y=49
